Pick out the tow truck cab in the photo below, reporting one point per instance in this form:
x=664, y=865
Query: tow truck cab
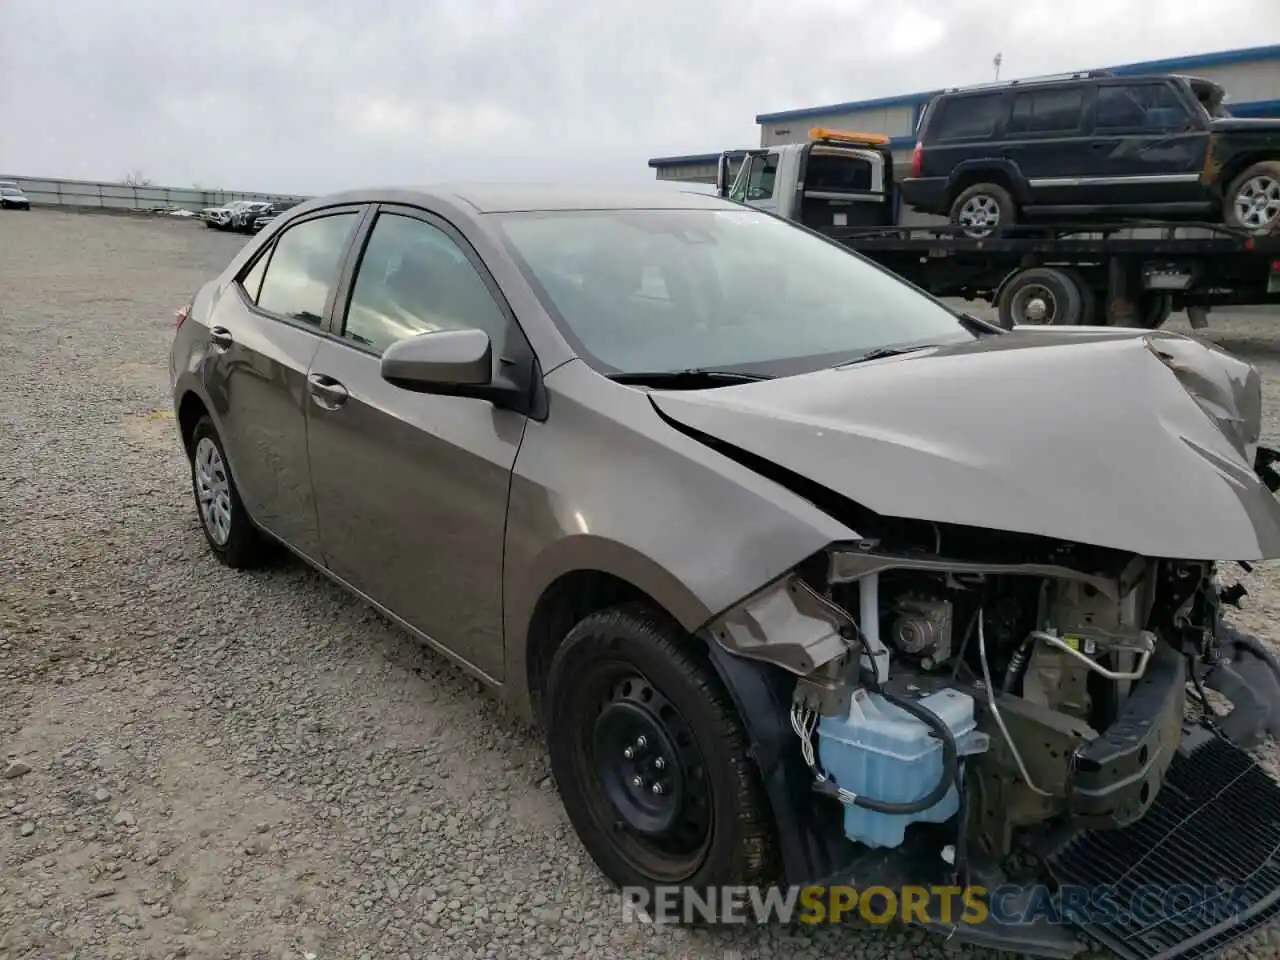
x=835, y=179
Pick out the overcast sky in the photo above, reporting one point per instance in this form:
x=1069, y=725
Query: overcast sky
x=309, y=96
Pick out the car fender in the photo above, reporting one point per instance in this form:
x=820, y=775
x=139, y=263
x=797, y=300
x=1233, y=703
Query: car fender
x=979, y=168
x=810, y=843
x=606, y=485
x=190, y=355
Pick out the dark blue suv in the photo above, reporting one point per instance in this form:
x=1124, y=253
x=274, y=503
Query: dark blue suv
x=1094, y=146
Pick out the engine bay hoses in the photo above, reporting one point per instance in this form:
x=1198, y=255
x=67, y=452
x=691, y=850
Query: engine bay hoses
x=805, y=721
x=995, y=710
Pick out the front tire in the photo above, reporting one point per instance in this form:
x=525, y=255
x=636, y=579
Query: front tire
x=1252, y=202
x=228, y=530
x=650, y=757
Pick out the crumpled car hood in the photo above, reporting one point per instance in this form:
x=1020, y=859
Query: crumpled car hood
x=1138, y=441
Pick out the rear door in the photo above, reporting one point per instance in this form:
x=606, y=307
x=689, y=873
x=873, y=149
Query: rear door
x=962, y=128
x=263, y=334
x=411, y=488
x=1046, y=136
x=1150, y=144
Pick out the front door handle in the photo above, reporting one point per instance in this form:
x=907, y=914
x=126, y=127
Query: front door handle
x=326, y=392
x=220, y=337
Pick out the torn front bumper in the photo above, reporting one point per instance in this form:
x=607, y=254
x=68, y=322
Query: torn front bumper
x=1118, y=775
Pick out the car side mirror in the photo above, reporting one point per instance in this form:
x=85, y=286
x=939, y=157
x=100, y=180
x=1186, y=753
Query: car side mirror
x=452, y=363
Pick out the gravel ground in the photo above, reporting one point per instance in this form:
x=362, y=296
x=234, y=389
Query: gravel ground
x=208, y=764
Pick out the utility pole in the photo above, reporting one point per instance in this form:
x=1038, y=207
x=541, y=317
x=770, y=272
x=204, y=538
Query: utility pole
x=996, y=61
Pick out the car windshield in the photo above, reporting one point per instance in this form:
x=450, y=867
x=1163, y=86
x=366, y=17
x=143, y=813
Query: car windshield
x=10, y=191
x=737, y=290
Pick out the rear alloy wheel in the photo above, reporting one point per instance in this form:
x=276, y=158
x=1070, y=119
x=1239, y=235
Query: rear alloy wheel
x=650, y=757
x=1252, y=201
x=226, y=524
x=983, y=210
x=1041, y=296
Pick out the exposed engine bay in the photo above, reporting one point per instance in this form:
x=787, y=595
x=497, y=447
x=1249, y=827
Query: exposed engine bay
x=989, y=685
x=1031, y=688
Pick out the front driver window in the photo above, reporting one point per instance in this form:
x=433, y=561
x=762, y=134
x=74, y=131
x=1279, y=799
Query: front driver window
x=413, y=279
x=764, y=171
x=1139, y=107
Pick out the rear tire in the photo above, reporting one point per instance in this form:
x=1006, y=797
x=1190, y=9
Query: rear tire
x=230, y=533
x=1154, y=310
x=1252, y=201
x=1093, y=309
x=626, y=673
x=1041, y=296
x=984, y=210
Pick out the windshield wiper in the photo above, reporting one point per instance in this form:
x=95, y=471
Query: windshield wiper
x=879, y=353
x=692, y=377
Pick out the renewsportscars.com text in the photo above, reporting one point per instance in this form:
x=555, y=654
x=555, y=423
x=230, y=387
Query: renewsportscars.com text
x=1006, y=905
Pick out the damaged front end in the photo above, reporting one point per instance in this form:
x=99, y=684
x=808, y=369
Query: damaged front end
x=951, y=706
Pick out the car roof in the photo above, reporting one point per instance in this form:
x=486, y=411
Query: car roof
x=1099, y=77
x=513, y=198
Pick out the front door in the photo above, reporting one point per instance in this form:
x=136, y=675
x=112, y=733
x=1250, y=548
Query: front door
x=263, y=334
x=756, y=183
x=1150, y=146
x=411, y=489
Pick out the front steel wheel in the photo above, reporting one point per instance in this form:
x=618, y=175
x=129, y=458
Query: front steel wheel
x=650, y=757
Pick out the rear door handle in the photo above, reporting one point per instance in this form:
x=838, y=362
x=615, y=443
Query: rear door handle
x=220, y=337
x=326, y=392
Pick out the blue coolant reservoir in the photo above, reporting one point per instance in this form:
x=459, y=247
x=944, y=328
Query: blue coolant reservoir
x=882, y=752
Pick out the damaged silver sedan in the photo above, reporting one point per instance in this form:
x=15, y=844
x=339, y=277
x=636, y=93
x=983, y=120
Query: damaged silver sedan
x=808, y=578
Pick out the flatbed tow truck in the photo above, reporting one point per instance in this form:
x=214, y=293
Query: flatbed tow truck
x=1131, y=273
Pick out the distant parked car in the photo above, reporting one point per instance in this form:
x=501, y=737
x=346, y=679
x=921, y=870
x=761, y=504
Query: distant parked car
x=267, y=216
x=12, y=197
x=243, y=219
x=1094, y=146
x=223, y=218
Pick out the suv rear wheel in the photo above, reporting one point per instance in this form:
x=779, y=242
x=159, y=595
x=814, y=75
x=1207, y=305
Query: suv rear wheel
x=983, y=209
x=1252, y=201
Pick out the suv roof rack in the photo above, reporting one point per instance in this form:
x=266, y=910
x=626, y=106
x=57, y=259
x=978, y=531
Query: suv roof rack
x=1048, y=78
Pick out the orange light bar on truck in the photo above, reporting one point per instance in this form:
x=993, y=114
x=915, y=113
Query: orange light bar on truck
x=847, y=136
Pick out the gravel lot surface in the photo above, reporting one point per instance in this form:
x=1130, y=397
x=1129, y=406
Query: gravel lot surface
x=202, y=763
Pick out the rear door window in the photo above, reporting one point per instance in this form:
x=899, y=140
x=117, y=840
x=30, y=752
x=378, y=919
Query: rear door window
x=837, y=172
x=1054, y=111
x=973, y=117
x=304, y=268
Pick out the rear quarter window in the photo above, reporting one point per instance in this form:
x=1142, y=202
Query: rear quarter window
x=973, y=117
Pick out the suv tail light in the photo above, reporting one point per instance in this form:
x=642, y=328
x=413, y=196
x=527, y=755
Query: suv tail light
x=917, y=156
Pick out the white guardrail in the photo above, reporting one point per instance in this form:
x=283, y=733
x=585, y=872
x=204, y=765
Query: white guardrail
x=130, y=198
